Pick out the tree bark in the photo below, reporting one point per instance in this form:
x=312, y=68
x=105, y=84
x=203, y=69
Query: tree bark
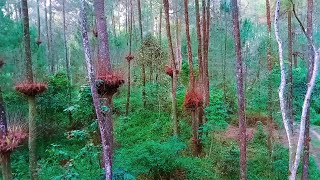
x=270, y=90
x=305, y=170
x=283, y=103
x=38, y=23
x=290, y=83
x=173, y=66
x=240, y=91
x=293, y=165
x=105, y=129
x=3, y=118
x=52, y=61
x=103, y=55
x=6, y=166
x=129, y=60
x=47, y=36
x=31, y=99
x=32, y=138
x=143, y=66
x=199, y=40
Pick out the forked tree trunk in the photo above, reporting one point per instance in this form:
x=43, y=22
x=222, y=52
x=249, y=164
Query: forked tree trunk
x=270, y=91
x=240, y=91
x=173, y=66
x=294, y=163
x=305, y=170
x=31, y=99
x=103, y=126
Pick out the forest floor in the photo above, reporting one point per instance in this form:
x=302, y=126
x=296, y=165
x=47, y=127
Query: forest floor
x=280, y=135
x=315, y=140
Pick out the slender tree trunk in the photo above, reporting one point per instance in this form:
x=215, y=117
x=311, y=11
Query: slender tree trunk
x=270, y=91
x=199, y=39
x=305, y=170
x=47, y=36
x=206, y=54
x=173, y=66
x=290, y=83
x=128, y=59
x=32, y=138
x=143, y=66
x=225, y=56
x=65, y=41
x=6, y=166
x=31, y=99
x=52, y=61
x=105, y=129
x=283, y=103
x=3, y=118
x=38, y=23
x=294, y=163
x=240, y=91
x=66, y=56
x=178, y=38
x=103, y=55
x=5, y=156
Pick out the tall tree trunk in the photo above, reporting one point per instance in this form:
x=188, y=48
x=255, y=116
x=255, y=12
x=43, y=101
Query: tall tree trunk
x=103, y=55
x=295, y=161
x=38, y=23
x=305, y=170
x=225, y=55
x=283, y=103
x=173, y=66
x=105, y=129
x=178, y=37
x=206, y=55
x=65, y=40
x=240, y=91
x=52, y=61
x=31, y=99
x=47, y=36
x=6, y=166
x=290, y=81
x=195, y=125
x=270, y=91
x=143, y=65
x=5, y=156
x=66, y=56
x=199, y=39
x=129, y=59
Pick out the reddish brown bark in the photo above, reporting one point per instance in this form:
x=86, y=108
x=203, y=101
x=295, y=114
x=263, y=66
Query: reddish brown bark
x=199, y=39
x=305, y=170
x=173, y=65
x=240, y=91
x=103, y=53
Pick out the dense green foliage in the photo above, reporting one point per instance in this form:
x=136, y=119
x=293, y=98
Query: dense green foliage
x=68, y=139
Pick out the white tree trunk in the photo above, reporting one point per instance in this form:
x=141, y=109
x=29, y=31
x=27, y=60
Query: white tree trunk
x=295, y=160
x=283, y=104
